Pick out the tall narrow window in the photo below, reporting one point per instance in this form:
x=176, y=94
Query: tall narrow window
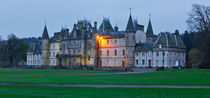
x=115, y=41
x=74, y=52
x=115, y=52
x=107, y=41
x=107, y=52
x=127, y=50
x=123, y=52
x=137, y=62
x=100, y=53
x=143, y=62
x=157, y=53
x=79, y=52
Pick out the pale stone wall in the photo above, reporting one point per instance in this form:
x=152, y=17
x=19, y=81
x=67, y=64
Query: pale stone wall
x=53, y=51
x=111, y=59
x=33, y=59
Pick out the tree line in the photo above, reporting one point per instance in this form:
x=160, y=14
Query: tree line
x=197, y=40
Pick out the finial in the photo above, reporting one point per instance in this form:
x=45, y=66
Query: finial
x=149, y=16
x=130, y=10
x=45, y=22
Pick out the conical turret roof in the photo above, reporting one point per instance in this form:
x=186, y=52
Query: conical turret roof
x=149, y=29
x=130, y=25
x=45, y=33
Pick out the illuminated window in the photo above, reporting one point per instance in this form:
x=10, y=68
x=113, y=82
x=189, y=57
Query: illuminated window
x=130, y=62
x=127, y=50
x=79, y=52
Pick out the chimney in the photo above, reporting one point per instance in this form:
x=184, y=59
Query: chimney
x=95, y=24
x=116, y=29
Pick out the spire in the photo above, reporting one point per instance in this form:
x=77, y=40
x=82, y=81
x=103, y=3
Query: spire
x=149, y=28
x=45, y=33
x=130, y=26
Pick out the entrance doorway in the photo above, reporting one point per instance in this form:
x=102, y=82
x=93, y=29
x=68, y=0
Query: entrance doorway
x=100, y=64
x=123, y=63
x=149, y=64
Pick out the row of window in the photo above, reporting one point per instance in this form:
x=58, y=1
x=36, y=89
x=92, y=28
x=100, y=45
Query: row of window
x=33, y=62
x=163, y=53
x=115, y=41
x=115, y=52
x=163, y=62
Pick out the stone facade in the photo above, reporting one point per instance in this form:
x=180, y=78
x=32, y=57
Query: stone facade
x=106, y=47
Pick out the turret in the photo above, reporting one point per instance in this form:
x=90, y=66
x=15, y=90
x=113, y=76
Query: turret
x=149, y=32
x=130, y=41
x=45, y=47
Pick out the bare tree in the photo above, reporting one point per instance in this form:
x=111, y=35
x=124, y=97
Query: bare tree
x=198, y=20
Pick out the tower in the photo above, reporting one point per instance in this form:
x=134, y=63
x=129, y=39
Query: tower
x=45, y=47
x=149, y=32
x=130, y=41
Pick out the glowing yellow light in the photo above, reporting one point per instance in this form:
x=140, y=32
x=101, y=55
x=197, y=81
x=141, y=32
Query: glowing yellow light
x=97, y=36
x=123, y=59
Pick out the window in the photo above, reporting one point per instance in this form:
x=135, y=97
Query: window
x=163, y=53
x=53, y=54
x=115, y=41
x=143, y=53
x=88, y=58
x=79, y=52
x=157, y=62
x=127, y=50
x=107, y=52
x=123, y=52
x=143, y=62
x=100, y=53
x=74, y=52
x=133, y=37
x=137, y=62
x=69, y=52
x=107, y=41
x=130, y=62
x=157, y=53
x=127, y=37
x=115, y=52
x=50, y=54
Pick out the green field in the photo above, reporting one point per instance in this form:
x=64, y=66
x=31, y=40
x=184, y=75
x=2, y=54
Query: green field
x=165, y=77
x=78, y=92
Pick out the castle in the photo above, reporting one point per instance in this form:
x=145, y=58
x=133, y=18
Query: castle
x=107, y=47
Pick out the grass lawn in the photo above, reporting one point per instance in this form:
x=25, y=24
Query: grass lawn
x=14, y=71
x=80, y=92
x=165, y=77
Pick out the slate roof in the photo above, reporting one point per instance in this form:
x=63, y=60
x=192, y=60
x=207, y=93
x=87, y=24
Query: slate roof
x=105, y=24
x=35, y=47
x=130, y=25
x=169, y=40
x=144, y=47
x=149, y=31
x=45, y=33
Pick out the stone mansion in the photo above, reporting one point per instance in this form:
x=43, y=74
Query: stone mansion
x=107, y=47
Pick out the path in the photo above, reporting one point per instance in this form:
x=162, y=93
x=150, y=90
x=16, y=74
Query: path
x=105, y=86
x=21, y=75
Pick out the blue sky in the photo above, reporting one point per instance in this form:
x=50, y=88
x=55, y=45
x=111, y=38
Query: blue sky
x=25, y=18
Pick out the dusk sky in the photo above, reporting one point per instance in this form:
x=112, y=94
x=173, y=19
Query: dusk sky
x=25, y=18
